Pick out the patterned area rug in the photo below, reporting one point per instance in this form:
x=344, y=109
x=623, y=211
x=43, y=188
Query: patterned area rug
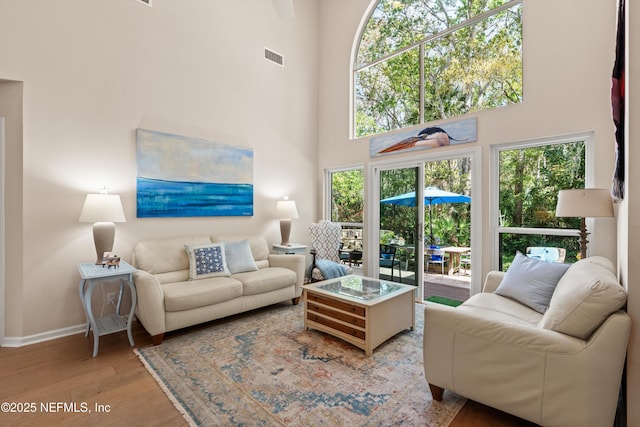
x=263, y=369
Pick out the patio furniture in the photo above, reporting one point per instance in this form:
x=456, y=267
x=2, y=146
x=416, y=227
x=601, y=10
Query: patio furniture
x=388, y=259
x=547, y=254
x=436, y=257
x=454, y=253
x=465, y=261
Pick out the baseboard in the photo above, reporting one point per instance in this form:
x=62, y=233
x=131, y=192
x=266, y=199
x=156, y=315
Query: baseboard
x=43, y=336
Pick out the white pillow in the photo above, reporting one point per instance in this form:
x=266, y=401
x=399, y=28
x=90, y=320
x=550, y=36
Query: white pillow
x=239, y=257
x=207, y=261
x=531, y=281
x=583, y=299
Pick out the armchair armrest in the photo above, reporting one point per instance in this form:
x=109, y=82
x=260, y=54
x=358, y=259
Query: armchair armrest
x=492, y=281
x=150, y=309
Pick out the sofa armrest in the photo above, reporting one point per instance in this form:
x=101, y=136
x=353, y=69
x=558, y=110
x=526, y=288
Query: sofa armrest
x=296, y=263
x=150, y=309
x=492, y=281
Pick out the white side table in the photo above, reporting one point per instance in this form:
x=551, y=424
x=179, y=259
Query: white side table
x=91, y=274
x=292, y=248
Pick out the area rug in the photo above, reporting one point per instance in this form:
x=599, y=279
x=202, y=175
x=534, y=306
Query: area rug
x=264, y=369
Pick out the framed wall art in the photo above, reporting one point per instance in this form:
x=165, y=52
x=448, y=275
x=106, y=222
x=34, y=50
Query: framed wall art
x=180, y=176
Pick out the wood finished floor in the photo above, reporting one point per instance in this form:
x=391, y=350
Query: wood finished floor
x=63, y=370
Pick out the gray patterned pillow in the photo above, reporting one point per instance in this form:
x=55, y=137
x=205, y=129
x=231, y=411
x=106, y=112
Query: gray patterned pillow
x=207, y=261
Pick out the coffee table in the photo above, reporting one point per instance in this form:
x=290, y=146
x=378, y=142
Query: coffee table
x=360, y=310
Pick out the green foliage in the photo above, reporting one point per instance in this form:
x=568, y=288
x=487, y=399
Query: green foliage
x=347, y=196
x=530, y=179
x=476, y=67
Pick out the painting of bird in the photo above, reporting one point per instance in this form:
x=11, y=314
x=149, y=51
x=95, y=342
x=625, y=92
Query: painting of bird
x=432, y=136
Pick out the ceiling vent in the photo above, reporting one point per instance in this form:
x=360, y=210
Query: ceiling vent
x=147, y=2
x=274, y=57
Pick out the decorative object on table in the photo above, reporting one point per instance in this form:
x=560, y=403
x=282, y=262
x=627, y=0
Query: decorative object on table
x=110, y=259
x=179, y=176
x=432, y=196
x=103, y=210
x=286, y=211
x=424, y=136
x=584, y=203
x=262, y=368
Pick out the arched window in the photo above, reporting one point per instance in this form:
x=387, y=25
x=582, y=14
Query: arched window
x=424, y=60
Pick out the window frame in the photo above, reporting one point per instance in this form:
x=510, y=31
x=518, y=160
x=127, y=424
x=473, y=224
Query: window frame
x=355, y=67
x=496, y=149
x=327, y=203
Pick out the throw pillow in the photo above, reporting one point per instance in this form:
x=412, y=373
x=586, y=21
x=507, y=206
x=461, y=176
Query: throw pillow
x=206, y=261
x=583, y=299
x=239, y=257
x=531, y=281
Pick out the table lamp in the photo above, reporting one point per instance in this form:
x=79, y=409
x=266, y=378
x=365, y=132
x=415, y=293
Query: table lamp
x=102, y=210
x=286, y=210
x=584, y=203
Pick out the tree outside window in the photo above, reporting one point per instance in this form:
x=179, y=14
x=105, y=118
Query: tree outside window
x=424, y=60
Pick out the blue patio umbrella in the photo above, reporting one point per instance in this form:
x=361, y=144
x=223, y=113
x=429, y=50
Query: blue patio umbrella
x=432, y=196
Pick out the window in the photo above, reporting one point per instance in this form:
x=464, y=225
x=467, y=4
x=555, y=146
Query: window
x=424, y=60
x=529, y=179
x=346, y=190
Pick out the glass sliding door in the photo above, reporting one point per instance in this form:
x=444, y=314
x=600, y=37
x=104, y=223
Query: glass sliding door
x=400, y=232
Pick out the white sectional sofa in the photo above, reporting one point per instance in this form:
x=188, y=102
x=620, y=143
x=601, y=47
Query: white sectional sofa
x=558, y=364
x=185, y=281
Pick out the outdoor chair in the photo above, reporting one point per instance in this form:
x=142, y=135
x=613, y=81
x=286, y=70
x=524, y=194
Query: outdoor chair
x=547, y=254
x=436, y=257
x=388, y=259
x=465, y=261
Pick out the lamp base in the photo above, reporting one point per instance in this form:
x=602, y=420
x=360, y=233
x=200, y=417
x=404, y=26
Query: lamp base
x=583, y=238
x=103, y=236
x=285, y=231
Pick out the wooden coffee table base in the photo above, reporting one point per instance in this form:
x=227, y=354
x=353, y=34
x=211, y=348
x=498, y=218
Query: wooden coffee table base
x=365, y=325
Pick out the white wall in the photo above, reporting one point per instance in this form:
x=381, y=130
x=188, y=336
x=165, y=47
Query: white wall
x=94, y=71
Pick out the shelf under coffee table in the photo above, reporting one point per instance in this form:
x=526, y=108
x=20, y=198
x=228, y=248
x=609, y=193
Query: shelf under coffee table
x=360, y=310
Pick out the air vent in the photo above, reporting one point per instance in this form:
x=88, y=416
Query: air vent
x=147, y=2
x=274, y=57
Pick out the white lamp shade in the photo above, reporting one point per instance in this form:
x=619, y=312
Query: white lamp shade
x=584, y=203
x=102, y=208
x=286, y=209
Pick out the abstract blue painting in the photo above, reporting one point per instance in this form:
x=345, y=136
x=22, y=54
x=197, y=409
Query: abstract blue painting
x=180, y=176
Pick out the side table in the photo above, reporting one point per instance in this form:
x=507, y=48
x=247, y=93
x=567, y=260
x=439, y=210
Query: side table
x=293, y=248
x=92, y=274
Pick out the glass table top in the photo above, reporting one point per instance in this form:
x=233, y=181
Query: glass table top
x=362, y=288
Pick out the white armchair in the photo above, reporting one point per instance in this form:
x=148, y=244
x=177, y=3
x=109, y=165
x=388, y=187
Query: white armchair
x=560, y=368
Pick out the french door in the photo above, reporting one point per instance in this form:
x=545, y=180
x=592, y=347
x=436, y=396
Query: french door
x=396, y=239
x=403, y=217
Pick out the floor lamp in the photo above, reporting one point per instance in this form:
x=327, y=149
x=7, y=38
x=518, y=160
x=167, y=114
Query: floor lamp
x=584, y=203
x=102, y=210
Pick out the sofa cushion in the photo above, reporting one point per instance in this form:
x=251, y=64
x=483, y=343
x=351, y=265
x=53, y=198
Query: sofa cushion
x=531, y=281
x=207, y=261
x=265, y=280
x=200, y=293
x=239, y=257
x=498, y=308
x=258, y=244
x=164, y=255
x=585, y=296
